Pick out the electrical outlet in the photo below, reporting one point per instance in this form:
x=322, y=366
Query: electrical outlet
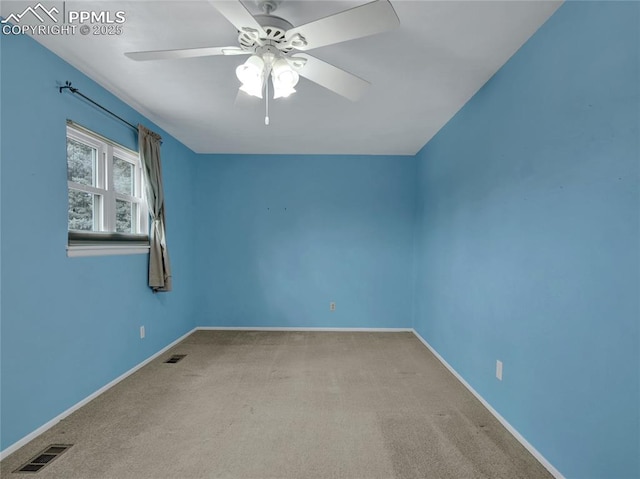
x=499, y=369
x=332, y=306
x=142, y=332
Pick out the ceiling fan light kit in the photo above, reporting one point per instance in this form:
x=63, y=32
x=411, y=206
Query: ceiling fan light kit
x=268, y=60
x=270, y=41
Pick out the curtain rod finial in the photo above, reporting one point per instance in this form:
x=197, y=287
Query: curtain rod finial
x=67, y=86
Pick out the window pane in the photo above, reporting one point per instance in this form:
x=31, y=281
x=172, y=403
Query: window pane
x=123, y=176
x=83, y=208
x=81, y=163
x=126, y=217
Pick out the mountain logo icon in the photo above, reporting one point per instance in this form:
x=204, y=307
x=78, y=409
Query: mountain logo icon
x=15, y=18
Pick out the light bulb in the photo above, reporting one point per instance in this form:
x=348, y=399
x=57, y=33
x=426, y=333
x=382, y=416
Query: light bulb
x=253, y=89
x=283, y=74
x=280, y=91
x=284, y=79
x=251, y=74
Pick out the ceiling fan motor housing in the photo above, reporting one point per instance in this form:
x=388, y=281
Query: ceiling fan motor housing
x=275, y=29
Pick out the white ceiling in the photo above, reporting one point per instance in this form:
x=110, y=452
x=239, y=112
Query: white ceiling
x=421, y=73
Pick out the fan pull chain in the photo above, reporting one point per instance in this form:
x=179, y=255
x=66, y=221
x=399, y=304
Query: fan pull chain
x=266, y=117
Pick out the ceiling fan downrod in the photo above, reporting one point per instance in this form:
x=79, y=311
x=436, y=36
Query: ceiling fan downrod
x=268, y=6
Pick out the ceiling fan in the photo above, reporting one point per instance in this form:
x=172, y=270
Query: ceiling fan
x=274, y=45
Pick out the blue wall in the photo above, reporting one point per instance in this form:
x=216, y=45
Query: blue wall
x=523, y=213
x=527, y=242
x=71, y=325
x=283, y=236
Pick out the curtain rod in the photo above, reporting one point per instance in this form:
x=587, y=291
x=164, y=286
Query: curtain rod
x=72, y=89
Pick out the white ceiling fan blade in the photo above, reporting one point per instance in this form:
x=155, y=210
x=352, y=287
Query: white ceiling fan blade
x=185, y=53
x=369, y=19
x=238, y=15
x=333, y=78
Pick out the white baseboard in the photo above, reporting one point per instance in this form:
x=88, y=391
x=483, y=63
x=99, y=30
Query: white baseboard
x=340, y=330
x=32, y=435
x=554, y=472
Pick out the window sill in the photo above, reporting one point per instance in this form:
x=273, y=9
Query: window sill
x=75, y=251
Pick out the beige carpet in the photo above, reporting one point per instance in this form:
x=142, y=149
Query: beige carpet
x=245, y=404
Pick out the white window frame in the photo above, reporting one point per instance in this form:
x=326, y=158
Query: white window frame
x=104, y=240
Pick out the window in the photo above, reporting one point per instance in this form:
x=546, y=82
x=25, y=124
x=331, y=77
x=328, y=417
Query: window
x=107, y=212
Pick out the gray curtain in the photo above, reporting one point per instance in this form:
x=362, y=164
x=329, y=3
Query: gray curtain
x=159, y=268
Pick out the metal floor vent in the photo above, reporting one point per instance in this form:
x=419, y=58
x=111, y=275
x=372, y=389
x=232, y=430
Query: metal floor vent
x=44, y=458
x=175, y=358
